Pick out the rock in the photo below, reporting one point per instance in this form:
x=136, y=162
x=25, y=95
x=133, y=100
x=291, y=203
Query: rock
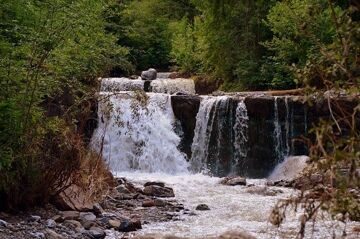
x=87, y=224
x=35, y=218
x=58, y=218
x=98, y=210
x=129, y=226
x=263, y=190
x=87, y=216
x=74, y=198
x=114, y=223
x=122, y=189
x=3, y=223
x=158, y=191
x=148, y=203
x=50, y=234
x=234, y=181
x=50, y=223
x=37, y=235
x=70, y=215
x=150, y=74
x=160, y=184
x=202, y=207
x=73, y=223
x=96, y=233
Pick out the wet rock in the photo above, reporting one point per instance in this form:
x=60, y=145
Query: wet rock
x=50, y=223
x=96, y=233
x=150, y=74
x=70, y=215
x=87, y=216
x=202, y=207
x=233, y=181
x=129, y=226
x=50, y=234
x=3, y=223
x=263, y=190
x=157, y=191
x=114, y=224
x=160, y=184
x=98, y=210
x=35, y=218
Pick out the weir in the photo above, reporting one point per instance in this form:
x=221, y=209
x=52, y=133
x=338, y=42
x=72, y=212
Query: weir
x=164, y=131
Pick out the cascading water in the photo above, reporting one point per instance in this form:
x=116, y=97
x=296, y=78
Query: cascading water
x=241, y=134
x=139, y=135
x=171, y=86
x=136, y=135
x=277, y=133
x=121, y=84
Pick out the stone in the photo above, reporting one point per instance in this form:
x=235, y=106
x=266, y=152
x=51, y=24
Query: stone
x=58, y=218
x=50, y=234
x=35, y=218
x=263, y=190
x=37, y=235
x=70, y=215
x=87, y=216
x=150, y=74
x=233, y=181
x=122, y=189
x=74, y=198
x=114, y=223
x=73, y=223
x=88, y=224
x=50, y=223
x=129, y=226
x=148, y=203
x=97, y=209
x=202, y=207
x=96, y=233
x=3, y=223
x=160, y=184
x=157, y=191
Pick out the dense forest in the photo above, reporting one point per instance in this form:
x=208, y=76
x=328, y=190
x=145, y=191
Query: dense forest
x=52, y=53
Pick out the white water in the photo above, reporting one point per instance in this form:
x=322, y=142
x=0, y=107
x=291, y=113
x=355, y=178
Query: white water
x=139, y=137
x=171, y=86
x=121, y=84
x=241, y=132
x=289, y=169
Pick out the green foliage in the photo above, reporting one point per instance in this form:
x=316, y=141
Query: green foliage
x=49, y=50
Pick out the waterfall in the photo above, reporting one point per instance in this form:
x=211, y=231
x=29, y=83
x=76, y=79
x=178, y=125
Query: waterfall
x=137, y=134
x=277, y=132
x=171, y=86
x=121, y=84
x=287, y=127
x=203, y=128
x=241, y=133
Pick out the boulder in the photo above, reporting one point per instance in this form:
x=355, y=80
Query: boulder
x=114, y=223
x=73, y=223
x=233, y=181
x=87, y=216
x=263, y=190
x=153, y=203
x=35, y=218
x=74, y=198
x=158, y=191
x=202, y=207
x=150, y=74
x=97, y=209
x=129, y=226
x=3, y=223
x=160, y=184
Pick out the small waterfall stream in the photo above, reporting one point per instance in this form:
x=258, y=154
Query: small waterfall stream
x=139, y=136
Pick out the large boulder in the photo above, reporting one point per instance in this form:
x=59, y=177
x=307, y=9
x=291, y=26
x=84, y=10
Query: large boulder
x=233, y=181
x=150, y=74
x=157, y=191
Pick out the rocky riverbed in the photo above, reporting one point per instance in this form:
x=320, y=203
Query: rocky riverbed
x=127, y=208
